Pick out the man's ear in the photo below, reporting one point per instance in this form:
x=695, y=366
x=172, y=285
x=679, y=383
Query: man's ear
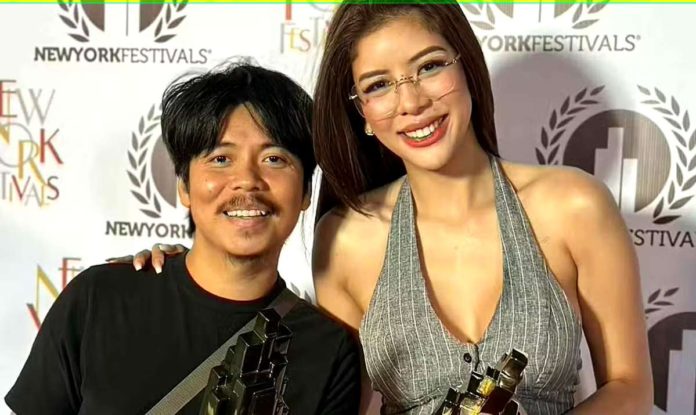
x=183, y=193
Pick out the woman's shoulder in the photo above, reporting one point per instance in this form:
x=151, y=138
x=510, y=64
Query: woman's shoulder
x=343, y=233
x=567, y=190
x=376, y=209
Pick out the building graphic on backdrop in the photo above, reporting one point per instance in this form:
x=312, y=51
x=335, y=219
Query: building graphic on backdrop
x=30, y=157
x=83, y=19
x=646, y=158
x=131, y=33
x=153, y=184
x=672, y=342
x=569, y=21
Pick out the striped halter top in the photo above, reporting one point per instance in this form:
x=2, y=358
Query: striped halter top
x=412, y=359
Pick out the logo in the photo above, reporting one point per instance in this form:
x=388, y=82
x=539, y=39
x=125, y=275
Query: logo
x=29, y=155
x=44, y=285
x=569, y=17
x=102, y=24
x=153, y=183
x=79, y=18
x=584, y=14
x=672, y=342
x=647, y=160
x=304, y=28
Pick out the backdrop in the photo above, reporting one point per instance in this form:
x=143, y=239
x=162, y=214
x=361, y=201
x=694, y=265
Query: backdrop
x=84, y=175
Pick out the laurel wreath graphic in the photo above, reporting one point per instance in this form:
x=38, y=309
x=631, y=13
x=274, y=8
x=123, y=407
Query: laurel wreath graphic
x=680, y=184
x=658, y=300
x=138, y=166
x=74, y=19
x=169, y=20
x=484, y=12
x=584, y=12
x=552, y=133
x=583, y=16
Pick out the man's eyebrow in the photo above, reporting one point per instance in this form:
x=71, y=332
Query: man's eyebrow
x=278, y=146
x=225, y=144
x=264, y=146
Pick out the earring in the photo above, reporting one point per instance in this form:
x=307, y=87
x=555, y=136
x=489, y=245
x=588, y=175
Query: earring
x=368, y=130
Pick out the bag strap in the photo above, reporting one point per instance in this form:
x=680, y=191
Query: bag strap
x=196, y=381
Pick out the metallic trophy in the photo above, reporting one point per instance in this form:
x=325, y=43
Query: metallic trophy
x=490, y=392
x=251, y=379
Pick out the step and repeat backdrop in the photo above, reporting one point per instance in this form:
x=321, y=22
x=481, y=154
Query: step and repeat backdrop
x=84, y=174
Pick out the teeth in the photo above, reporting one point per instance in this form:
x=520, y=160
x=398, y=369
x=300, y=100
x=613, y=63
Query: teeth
x=245, y=213
x=424, y=132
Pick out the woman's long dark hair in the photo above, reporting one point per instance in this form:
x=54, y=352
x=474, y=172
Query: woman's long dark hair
x=351, y=162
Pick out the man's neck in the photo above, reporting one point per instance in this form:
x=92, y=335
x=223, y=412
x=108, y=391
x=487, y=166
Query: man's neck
x=239, y=279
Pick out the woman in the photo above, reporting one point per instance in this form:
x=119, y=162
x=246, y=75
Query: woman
x=443, y=269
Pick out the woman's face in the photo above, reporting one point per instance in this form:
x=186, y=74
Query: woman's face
x=423, y=124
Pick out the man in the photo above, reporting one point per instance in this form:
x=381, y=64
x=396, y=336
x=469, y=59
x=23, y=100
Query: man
x=116, y=342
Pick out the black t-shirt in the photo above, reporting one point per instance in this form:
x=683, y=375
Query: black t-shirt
x=117, y=340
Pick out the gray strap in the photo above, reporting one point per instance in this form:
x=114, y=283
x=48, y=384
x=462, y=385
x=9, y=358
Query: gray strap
x=192, y=384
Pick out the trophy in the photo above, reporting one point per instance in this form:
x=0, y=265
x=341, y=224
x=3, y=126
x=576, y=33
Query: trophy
x=251, y=379
x=490, y=392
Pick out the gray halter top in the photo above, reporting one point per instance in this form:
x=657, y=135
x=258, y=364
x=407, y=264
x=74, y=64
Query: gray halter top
x=411, y=358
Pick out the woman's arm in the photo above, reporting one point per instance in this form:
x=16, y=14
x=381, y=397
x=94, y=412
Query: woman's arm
x=610, y=300
x=331, y=267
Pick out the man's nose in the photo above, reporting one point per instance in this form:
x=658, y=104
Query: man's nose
x=247, y=177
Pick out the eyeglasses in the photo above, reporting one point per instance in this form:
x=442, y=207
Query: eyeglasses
x=379, y=98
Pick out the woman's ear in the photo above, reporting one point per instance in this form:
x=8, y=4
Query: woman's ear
x=368, y=129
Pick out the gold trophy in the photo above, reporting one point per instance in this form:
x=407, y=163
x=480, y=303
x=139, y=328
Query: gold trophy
x=489, y=393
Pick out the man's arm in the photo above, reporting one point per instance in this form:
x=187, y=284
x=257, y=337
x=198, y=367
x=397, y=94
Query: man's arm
x=50, y=380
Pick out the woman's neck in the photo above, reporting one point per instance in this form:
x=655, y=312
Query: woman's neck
x=451, y=192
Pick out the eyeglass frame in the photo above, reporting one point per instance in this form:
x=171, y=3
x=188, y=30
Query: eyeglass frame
x=413, y=79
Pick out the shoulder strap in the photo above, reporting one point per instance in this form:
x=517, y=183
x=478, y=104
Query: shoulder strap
x=195, y=381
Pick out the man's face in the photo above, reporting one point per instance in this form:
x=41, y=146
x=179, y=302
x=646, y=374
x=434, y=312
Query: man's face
x=246, y=196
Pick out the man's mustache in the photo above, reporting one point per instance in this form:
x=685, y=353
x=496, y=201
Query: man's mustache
x=248, y=202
